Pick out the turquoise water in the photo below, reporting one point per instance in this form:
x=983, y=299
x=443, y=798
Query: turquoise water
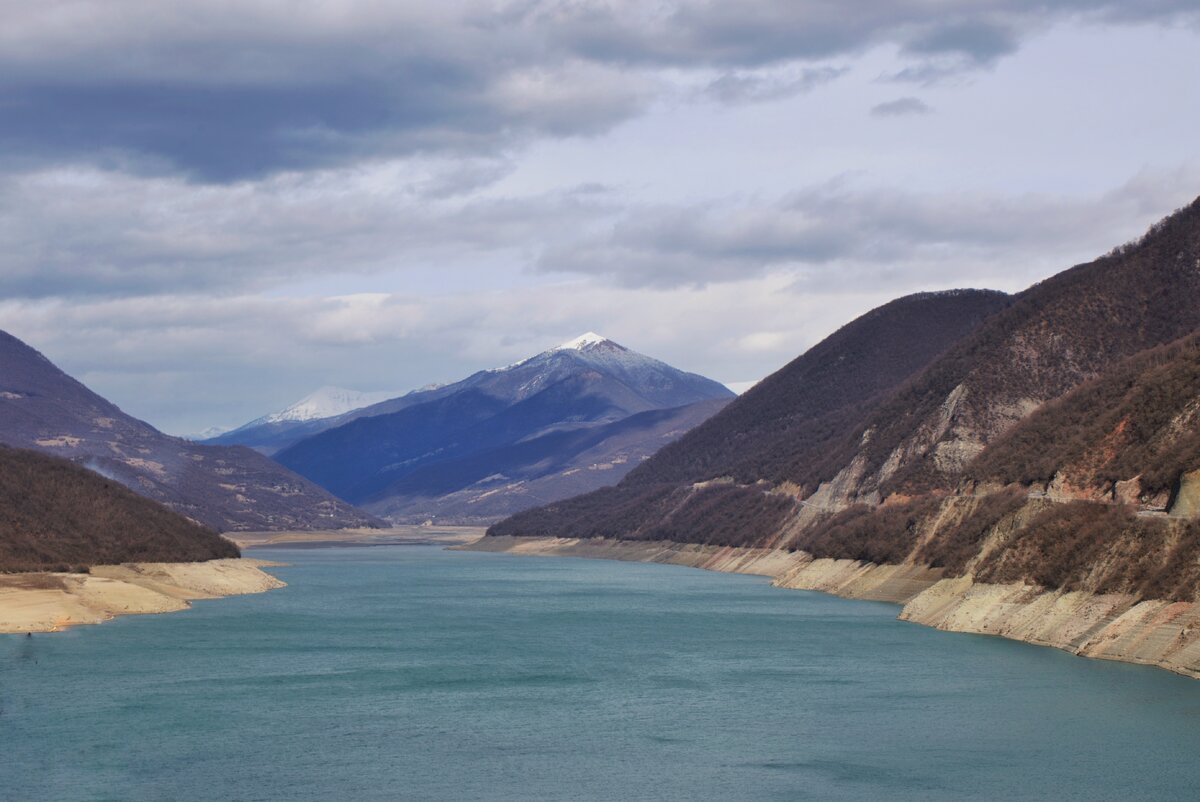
x=414, y=673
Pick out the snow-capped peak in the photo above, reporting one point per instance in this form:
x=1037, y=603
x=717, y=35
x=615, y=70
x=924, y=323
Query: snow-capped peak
x=582, y=341
x=207, y=434
x=326, y=403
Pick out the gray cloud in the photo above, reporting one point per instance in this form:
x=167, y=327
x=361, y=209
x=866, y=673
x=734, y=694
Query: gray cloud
x=901, y=107
x=88, y=232
x=981, y=41
x=840, y=230
x=741, y=87
x=249, y=89
x=777, y=275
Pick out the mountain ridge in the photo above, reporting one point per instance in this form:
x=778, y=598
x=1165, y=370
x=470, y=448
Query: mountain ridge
x=981, y=463
x=225, y=488
x=589, y=382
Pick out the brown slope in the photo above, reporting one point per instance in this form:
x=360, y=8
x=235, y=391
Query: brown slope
x=55, y=515
x=1130, y=434
x=226, y=488
x=781, y=428
x=1056, y=335
x=778, y=431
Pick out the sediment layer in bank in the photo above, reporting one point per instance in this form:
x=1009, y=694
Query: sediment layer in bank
x=1107, y=626
x=48, y=602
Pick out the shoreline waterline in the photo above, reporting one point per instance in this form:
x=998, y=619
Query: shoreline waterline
x=1114, y=627
x=51, y=601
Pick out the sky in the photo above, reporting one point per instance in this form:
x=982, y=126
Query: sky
x=210, y=209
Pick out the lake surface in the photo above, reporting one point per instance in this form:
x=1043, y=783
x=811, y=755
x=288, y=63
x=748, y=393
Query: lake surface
x=415, y=673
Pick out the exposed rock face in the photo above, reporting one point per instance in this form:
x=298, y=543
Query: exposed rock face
x=1187, y=498
x=1108, y=626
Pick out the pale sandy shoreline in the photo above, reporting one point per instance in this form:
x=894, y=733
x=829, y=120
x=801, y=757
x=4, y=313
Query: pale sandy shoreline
x=431, y=535
x=1114, y=627
x=49, y=602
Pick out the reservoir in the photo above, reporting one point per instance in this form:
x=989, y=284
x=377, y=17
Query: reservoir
x=409, y=672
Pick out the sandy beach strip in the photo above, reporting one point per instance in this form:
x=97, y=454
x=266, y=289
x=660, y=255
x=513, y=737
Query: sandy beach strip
x=426, y=535
x=48, y=602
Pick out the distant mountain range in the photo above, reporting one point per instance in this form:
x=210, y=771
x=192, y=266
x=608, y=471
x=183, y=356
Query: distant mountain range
x=312, y=414
x=568, y=420
x=226, y=488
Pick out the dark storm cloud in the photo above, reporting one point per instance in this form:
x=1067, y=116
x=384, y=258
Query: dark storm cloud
x=224, y=133
x=227, y=91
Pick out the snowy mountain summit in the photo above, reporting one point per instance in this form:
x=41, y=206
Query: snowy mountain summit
x=583, y=341
x=587, y=381
x=326, y=402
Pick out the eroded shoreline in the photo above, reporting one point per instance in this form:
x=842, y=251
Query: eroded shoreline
x=1109, y=626
x=50, y=602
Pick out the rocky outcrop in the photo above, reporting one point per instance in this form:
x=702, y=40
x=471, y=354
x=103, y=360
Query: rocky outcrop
x=1106, y=626
x=1186, y=503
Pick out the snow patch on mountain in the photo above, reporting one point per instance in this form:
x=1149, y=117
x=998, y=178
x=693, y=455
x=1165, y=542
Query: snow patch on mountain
x=207, y=434
x=327, y=402
x=582, y=341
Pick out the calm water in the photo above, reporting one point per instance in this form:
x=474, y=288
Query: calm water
x=414, y=673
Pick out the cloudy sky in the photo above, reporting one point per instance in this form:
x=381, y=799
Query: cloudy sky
x=208, y=209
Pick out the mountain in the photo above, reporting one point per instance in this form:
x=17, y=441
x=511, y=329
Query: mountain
x=327, y=402
x=1052, y=442
x=208, y=434
x=58, y=516
x=312, y=414
x=782, y=426
x=500, y=481
x=508, y=438
x=225, y=488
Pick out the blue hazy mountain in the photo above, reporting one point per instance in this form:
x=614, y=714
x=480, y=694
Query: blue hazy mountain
x=575, y=417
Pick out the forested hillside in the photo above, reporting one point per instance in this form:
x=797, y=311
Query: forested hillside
x=55, y=515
